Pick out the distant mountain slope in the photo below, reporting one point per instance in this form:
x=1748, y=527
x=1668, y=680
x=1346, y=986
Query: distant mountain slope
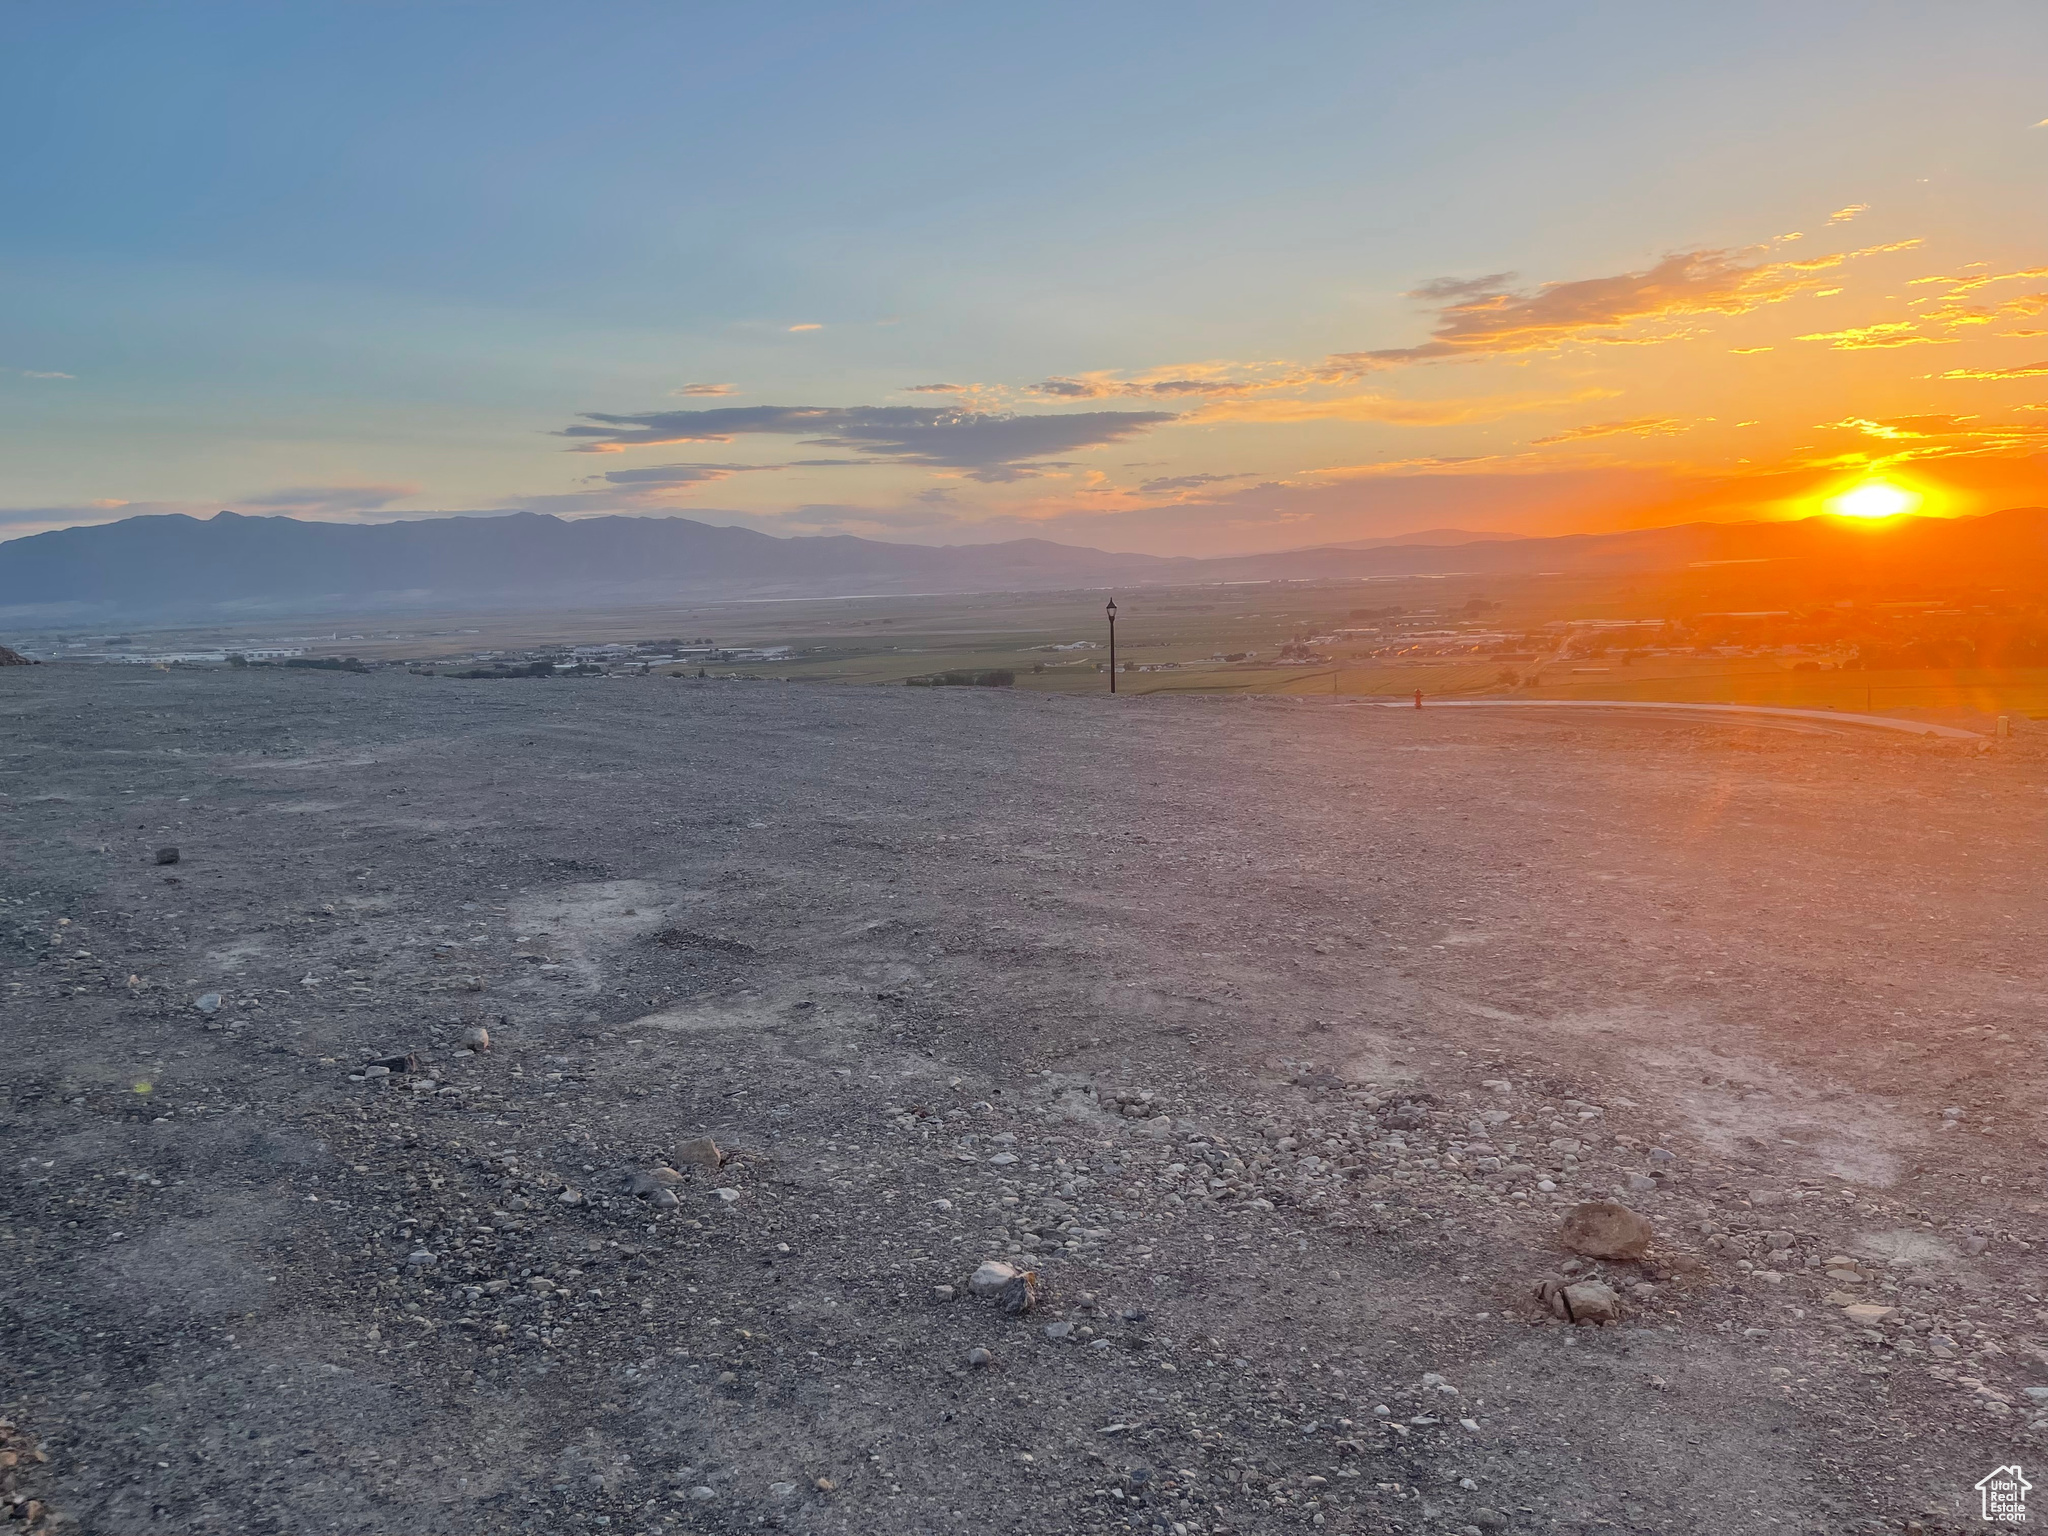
x=1438, y=536
x=229, y=565
x=2013, y=542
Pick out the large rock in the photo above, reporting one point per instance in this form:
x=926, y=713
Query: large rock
x=992, y=1277
x=700, y=1153
x=1016, y=1289
x=652, y=1183
x=1586, y=1302
x=1606, y=1229
x=1592, y=1302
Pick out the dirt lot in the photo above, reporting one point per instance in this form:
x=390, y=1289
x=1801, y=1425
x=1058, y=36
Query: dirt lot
x=1275, y=1037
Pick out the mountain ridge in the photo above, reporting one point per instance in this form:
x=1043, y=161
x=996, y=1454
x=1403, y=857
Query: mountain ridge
x=232, y=565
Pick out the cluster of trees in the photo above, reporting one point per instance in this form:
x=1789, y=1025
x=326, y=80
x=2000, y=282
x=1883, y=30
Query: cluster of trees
x=306, y=663
x=531, y=669
x=999, y=677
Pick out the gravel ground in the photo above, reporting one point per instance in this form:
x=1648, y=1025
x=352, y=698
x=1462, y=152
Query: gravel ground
x=1275, y=1038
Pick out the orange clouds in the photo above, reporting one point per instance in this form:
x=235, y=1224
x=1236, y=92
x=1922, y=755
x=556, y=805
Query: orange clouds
x=1177, y=381
x=1484, y=318
x=1388, y=409
x=1889, y=333
x=1944, y=437
x=1641, y=426
x=2022, y=371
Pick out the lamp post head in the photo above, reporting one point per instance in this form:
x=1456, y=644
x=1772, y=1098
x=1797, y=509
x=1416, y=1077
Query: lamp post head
x=1111, y=610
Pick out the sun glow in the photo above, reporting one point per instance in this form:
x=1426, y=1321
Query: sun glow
x=1873, y=499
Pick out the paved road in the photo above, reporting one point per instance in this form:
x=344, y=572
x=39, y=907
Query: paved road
x=1831, y=716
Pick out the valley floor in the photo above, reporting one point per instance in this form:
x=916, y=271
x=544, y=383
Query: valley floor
x=1276, y=1037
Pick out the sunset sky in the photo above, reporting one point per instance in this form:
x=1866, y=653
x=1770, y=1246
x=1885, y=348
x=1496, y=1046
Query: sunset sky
x=1178, y=278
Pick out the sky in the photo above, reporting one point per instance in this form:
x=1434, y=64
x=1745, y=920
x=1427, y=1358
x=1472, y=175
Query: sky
x=1186, y=279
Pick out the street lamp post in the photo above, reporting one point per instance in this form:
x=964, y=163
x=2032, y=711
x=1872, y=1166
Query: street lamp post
x=1111, y=611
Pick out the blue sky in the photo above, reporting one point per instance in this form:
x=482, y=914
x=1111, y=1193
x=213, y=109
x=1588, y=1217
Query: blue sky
x=363, y=261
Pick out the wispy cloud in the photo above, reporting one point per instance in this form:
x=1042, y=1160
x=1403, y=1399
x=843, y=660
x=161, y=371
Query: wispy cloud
x=1209, y=380
x=325, y=500
x=1844, y=215
x=2022, y=371
x=705, y=389
x=1483, y=317
x=1887, y=333
x=987, y=446
x=1641, y=426
x=1437, y=464
x=808, y=325
x=937, y=389
x=1389, y=409
x=39, y=373
x=654, y=476
x=1945, y=437
x=1167, y=485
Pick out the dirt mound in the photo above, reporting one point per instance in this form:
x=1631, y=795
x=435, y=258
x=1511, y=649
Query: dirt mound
x=13, y=658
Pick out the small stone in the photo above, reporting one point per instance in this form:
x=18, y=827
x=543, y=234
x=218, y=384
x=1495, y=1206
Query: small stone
x=405, y=1062
x=702, y=1495
x=700, y=1153
x=781, y=1490
x=825, y=1485
x=1605, y=1229
x=419, y=1256
x=943, y=1293
x=1972, y=1246
x=725, y=1196
x=991, y=1278
x=167, y=855
x=978, y=1356
x=1582, y=1301
x=1592, y=1301
x=477, y=1038
x=1059, y=1330
x=650, y=1182
x=373, y=1074
x=1489, y=1520
x=1642, y=1184
x=207, y=1002
x=1021, y=1294
x=570, y=1197
x=1868, y=1313
x=664, y=1199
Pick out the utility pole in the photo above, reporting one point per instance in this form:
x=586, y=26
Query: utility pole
x=1111, y=611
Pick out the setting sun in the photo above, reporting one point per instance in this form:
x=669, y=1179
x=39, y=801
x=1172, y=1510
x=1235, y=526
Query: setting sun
x=1874, y=498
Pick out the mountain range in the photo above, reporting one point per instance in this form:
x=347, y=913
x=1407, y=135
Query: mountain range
x=233, y=566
